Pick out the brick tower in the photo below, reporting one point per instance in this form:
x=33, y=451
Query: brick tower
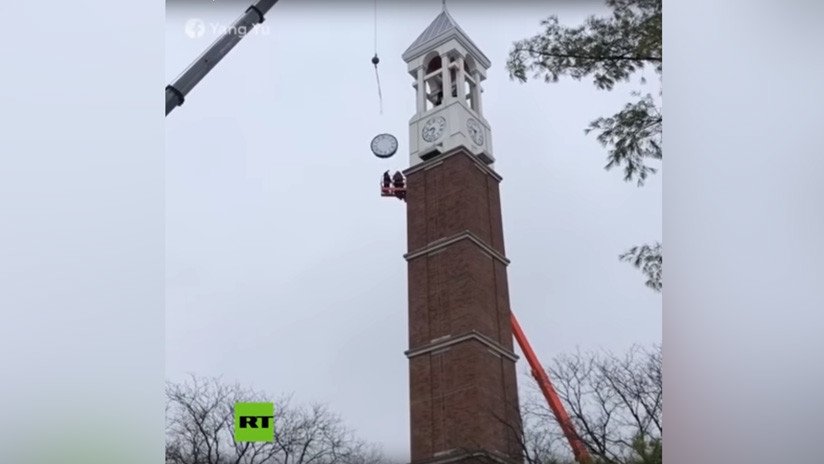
x=463, y=392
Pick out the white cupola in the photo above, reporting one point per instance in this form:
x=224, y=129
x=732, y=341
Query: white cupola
x=448, y=69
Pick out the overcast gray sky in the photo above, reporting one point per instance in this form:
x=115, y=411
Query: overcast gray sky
x=284, y=266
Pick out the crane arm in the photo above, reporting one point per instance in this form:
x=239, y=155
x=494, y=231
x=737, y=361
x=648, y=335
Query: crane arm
x=177, y=91
x=579, y=449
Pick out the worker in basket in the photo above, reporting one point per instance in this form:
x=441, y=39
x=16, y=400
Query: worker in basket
x=398, y=181
x=387, y=181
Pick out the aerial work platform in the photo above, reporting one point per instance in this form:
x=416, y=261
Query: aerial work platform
x=394, y=186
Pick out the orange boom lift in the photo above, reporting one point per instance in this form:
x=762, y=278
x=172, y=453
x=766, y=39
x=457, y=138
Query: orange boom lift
x=579, y=449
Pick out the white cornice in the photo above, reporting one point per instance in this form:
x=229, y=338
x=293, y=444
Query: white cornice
x=446, y=342
x=445, y=242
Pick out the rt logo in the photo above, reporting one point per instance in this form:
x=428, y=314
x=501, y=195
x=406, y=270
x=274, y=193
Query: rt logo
x=195, y=28
x=254, y=422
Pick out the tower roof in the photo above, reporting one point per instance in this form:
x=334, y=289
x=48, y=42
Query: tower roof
x=442, y=29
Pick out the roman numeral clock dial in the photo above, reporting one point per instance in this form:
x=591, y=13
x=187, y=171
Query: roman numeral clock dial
x=433, y=129
x=384, y=145
x=475, y=131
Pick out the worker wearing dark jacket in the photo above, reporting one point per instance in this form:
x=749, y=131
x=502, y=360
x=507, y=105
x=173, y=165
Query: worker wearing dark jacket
x=398, y=180
x=387, y=181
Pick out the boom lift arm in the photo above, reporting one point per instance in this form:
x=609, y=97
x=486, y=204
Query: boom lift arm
x=177, y=91
x=579, y=449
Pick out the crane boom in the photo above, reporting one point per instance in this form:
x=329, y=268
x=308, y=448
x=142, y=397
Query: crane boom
x=579, y=449
x=177, y=91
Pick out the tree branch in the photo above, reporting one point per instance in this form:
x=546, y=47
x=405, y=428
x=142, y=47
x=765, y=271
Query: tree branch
x=591, y=57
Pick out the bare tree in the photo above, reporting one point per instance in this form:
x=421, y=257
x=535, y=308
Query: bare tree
x=199, y=430
x=615, y=402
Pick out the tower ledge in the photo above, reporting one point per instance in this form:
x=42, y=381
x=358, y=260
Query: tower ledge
x=457, y=151
x=446, y=342
x=465, y=235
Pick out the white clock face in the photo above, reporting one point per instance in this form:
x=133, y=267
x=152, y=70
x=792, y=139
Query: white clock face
x=476, y=131
x=384, y=145
x=433, y=129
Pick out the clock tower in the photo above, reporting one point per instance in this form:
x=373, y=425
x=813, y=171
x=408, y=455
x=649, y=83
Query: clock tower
x=463, y=389
x=448, y=69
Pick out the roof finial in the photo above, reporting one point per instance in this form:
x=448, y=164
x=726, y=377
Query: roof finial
x=444, y=5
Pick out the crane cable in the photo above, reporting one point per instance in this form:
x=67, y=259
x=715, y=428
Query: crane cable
x=376, y=60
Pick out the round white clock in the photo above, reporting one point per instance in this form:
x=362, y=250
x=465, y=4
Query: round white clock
x=384, y=145
x=476, y=131
x=433, y=129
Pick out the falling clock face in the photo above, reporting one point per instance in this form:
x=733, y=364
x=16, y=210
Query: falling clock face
x=384, y=145
x=433, y=129
x=475, y=131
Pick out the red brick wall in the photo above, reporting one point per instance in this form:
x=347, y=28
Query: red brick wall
x=459, y=396
x=450, y=198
